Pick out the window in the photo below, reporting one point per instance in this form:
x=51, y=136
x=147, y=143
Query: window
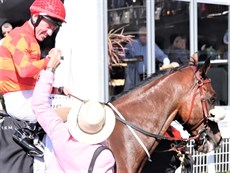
x=213, y=42
x=179, y=28
x=172, y=29
x=130, y=14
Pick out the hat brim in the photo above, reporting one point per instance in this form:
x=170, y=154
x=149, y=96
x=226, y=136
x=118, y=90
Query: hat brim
x=83, y=137
x=142, y=33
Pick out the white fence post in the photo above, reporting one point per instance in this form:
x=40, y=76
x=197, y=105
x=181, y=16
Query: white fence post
x=211, y=162
x=215, y=161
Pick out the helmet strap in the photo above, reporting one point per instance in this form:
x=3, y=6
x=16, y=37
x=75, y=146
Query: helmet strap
x=36, y=23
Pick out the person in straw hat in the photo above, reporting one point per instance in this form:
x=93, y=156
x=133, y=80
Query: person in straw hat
x=88, y=126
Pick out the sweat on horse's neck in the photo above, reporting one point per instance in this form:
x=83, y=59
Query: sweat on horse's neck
x=148, y=107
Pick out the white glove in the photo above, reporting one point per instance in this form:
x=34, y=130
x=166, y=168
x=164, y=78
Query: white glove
x=166, y=61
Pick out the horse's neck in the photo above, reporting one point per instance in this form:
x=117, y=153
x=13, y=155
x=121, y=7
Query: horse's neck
x=151, y=107
x=153, y=102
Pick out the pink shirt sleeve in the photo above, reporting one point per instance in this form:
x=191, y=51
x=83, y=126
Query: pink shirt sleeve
x=46, y=116
x=54, y=126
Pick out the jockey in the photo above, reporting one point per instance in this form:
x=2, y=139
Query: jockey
x=20, y=57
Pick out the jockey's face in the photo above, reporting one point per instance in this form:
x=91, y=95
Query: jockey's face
x=44, y=29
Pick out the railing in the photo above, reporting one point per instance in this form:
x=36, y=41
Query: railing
x=216, y=161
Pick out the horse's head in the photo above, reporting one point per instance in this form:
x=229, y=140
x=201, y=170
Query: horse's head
x=197, y=113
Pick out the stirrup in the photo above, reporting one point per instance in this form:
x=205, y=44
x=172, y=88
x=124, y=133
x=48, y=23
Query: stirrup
x=29, y=141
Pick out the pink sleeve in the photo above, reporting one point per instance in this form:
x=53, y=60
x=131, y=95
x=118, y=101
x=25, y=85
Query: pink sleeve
x=46, y=116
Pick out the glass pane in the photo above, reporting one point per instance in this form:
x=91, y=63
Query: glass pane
x=213, y=43
x=130, y=14
x=172, y=30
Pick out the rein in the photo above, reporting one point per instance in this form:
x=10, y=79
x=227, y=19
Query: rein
x=157, y=136
x=122, y=120
x=199, y=86
x=131, y=126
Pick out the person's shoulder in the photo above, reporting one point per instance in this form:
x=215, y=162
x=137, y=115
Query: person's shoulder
x=133, y=43
x=20, y=30
x=22, y=33
x=16, y=31
x=15, y=34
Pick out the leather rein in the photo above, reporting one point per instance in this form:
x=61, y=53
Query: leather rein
x=200, y=82
x=199, y=86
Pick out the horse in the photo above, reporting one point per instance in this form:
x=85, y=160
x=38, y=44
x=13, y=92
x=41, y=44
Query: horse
x=184, y=94
x=183, y=87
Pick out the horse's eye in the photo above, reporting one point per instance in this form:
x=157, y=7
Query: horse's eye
x=212, y=100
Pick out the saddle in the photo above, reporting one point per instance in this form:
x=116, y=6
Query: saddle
x=29, y=137
x=14, y=157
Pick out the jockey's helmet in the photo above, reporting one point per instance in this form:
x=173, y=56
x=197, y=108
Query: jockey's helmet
x=52, y=10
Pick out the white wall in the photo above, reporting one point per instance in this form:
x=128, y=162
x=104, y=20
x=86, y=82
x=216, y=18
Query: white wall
x=82, y=41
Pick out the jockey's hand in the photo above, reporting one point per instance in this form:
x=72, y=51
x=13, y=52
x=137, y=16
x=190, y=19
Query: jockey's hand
x=64, y=91
x=55, y=57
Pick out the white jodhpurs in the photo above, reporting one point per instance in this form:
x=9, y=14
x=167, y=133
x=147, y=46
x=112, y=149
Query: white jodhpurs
x=18, y=105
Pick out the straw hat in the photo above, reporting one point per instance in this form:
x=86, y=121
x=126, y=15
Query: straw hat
x=92, y=123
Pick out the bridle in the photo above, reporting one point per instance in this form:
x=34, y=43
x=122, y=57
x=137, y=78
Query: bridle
x=200, y=82
x=202, y=134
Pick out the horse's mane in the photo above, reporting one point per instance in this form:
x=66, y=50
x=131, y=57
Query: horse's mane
x=151, y=78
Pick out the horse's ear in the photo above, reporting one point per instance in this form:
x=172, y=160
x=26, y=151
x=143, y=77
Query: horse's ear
x=205, y=67
x=194, y=59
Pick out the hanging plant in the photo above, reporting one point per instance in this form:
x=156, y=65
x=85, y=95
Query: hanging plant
x=116, y=41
